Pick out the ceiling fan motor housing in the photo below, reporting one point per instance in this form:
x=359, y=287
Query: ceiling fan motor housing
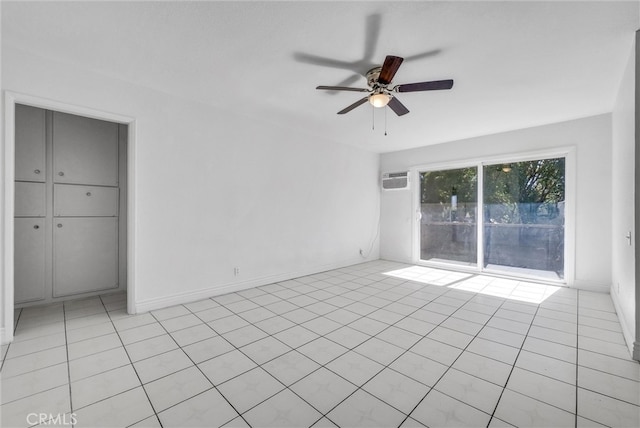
x=372, y=77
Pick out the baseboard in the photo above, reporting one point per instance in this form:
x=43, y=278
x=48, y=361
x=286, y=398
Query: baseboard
x=630, y=340
x=6, y=336
x=596, y=287
x=205, y=293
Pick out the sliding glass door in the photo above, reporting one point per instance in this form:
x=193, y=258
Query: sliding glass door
x=449, y=204
x=521, y=206
x=524, y=217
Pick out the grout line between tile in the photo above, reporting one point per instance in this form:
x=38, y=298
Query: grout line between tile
x=66, y=345
x=133, y=367
x=213, y=386
x=454, y=361
x=513, y=367
x=293, y=349
x=392, y=291
x=15, y=327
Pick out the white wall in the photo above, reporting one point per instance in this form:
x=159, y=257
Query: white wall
x=622, y=206
x=591, y=138
x=216, y=190
x=3, y=318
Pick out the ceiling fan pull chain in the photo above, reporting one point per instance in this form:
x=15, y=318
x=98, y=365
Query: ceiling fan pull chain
x=373, y=119
x=385, y=121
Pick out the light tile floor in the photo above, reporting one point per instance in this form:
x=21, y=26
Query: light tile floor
x=375, y=344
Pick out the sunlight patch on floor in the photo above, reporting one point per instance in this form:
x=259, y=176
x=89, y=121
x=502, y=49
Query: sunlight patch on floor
x=512, y=289
x=427, y=275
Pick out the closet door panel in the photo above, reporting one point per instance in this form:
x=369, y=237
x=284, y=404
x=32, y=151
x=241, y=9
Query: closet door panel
x=85, y=151
x=30, y=199
x=29, y=259
x=85, y=255
x=30, y=143
x=85, y=201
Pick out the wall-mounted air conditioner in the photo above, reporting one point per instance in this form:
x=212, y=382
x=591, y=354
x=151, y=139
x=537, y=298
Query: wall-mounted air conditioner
x=395, y=180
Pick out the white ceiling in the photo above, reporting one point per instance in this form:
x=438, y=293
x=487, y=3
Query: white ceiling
x=515, y=64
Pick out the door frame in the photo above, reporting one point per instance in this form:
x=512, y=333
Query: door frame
x=7, y=286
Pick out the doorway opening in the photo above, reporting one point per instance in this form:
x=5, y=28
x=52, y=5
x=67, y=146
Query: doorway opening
x=68, y=222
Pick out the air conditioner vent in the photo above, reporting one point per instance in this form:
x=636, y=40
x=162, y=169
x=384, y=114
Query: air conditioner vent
x=395, y=180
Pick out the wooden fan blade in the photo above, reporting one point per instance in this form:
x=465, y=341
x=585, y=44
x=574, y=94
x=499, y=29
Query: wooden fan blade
x=397, y=107
x=341, y=88
x=425, y=86
x=354, y=105
x=389, y=69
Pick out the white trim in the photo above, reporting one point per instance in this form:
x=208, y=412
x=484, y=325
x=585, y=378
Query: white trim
x=568, y=152
x=131, y=216
x=590, y=286
x=502, y=158
x=205, y=293
x=11, y=99
x=61, y=107
x=480, y=219
x=570, y=190
x=416, y=216
x=627, y=332
x=7, y=227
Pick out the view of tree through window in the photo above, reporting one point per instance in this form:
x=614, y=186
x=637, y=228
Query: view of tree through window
x=523, y=213
x=449, y=200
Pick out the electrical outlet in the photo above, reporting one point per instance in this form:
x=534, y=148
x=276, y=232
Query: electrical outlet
x=236, y=271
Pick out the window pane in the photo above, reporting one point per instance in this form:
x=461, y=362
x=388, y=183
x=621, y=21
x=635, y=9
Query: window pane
x=449, y=206
x=524, y=217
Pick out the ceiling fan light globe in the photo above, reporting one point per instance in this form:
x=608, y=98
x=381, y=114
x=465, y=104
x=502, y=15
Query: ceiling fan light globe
x=379, y=100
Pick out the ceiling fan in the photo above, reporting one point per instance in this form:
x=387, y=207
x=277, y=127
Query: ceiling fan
x=381, y=93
